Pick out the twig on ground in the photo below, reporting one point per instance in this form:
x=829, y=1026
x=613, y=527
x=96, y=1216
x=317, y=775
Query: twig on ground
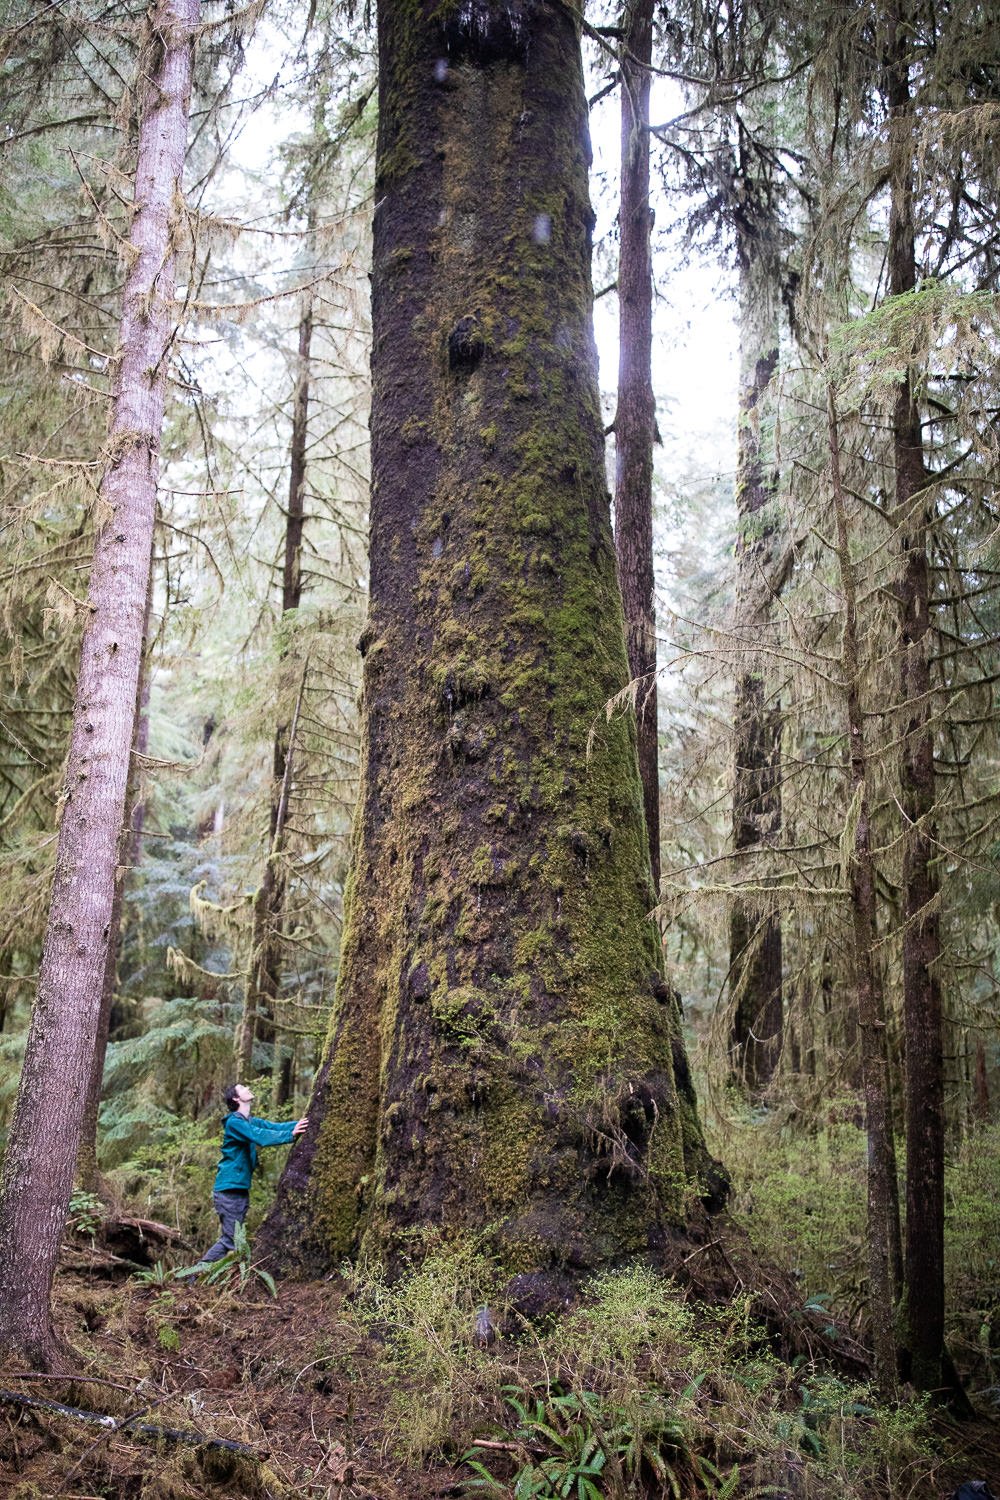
x=113, y=1385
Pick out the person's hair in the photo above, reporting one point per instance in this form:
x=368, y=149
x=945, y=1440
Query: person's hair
x=230, y=1096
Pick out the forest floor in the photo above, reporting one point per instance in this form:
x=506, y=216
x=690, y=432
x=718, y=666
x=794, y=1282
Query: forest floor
x=287, y=1378
x=323, y=1409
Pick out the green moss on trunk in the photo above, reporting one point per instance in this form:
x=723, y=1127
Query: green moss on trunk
x=500, y=970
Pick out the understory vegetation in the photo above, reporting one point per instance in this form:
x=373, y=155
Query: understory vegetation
x=428, y=1384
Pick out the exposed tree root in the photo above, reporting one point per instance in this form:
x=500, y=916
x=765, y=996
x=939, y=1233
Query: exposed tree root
x=715, y=1262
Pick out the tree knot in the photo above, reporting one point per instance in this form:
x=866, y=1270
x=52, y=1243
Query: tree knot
x=466, y=345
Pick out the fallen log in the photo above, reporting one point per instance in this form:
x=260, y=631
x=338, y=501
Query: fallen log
x=129, y=1426
x=142, y=1240
x=152, y=1228
x=122, y=1244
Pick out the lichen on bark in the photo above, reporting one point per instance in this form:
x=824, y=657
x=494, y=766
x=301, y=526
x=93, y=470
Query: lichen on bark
x=501, y=1055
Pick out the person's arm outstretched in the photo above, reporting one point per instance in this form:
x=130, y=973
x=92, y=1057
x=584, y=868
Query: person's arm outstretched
x=265, y=1132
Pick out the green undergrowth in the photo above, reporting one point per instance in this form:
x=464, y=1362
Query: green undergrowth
x=170, y=1179
x=635, y=1392
x=801, y=1195
x=972, y=1259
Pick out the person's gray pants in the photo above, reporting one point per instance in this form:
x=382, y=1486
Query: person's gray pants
x=232, y=1210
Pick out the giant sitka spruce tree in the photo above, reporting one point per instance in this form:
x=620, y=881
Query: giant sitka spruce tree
x=503, y=1057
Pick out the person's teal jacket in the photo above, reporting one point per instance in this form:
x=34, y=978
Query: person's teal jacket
x=240, y=1139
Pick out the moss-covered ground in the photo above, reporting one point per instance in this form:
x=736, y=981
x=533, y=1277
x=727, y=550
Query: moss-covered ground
x=649, y=1385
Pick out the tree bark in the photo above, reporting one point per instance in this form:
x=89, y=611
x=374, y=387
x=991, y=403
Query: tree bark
x=884, y=1244
x=6, y=971
x=38, y=1169
x=88, y=1174
x=754, y=935
x=268, y=914
x=504, y=1059
x=635, y=418
x=922, y=1002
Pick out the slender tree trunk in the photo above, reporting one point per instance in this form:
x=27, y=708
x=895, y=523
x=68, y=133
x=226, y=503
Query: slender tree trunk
x=922, y=1003
x=755, y=936
x=6, y=970
x=635, y=419
x=501, y=1061
x=264, y=978
x=88, y=1173
x=884, y=1245
x=291, y=577
x=45, y=1134
x=266, y=903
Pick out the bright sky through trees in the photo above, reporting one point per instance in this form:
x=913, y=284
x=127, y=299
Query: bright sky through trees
x=695, y=336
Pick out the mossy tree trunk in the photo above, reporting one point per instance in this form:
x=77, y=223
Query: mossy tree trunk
x=885, y=1261
x=635, y=418
x=503, y=1059
x=923, y=1021
x=755, y=933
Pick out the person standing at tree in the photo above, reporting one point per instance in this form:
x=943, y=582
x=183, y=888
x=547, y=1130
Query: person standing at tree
x=241, y=1136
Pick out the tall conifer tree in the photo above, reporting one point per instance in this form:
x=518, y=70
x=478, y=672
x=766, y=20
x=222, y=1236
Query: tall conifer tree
x=635, y=417
x=41, y=1153
x=922, y=1008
